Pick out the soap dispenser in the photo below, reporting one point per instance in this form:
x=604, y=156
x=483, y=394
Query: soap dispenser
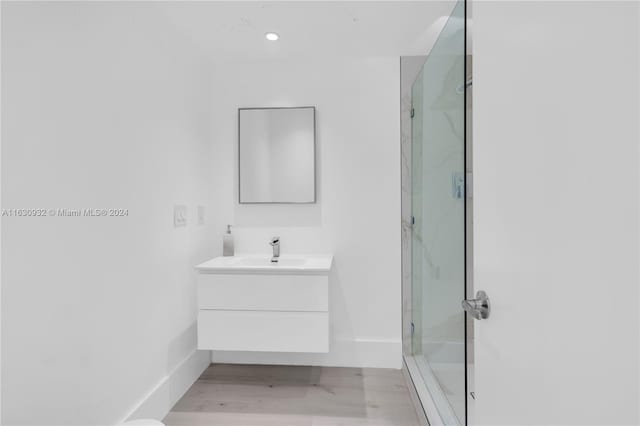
x=227, y=243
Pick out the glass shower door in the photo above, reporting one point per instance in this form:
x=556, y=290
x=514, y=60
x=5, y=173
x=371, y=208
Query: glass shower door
x=438, y=209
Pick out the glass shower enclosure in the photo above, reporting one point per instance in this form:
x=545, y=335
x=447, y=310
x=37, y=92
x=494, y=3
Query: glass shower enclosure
x=437, y=361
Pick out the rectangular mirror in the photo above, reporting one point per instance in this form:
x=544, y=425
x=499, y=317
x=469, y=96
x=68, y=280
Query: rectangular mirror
x=277, y=155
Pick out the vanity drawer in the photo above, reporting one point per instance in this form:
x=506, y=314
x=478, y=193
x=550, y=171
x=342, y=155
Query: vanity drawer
x=263, y=331
x=264, y=292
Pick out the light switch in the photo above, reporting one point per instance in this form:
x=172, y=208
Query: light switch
x=200, y=215
x=179, y=216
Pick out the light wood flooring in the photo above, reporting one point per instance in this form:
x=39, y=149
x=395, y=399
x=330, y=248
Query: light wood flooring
x=248, y=395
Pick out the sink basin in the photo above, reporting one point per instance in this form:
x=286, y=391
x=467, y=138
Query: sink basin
x=261, y=264
x=266, y=261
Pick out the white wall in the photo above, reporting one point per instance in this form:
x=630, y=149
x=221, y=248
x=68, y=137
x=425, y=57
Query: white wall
x=556, y=190
x=96, y=312
x=357, y=216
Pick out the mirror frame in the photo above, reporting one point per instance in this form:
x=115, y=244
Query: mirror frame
x=315, y=153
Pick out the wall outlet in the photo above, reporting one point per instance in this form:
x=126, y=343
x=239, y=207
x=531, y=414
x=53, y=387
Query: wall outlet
x=200, y=215
x=179, y=216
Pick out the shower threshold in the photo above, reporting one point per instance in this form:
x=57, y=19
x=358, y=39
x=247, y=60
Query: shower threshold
x=435, y=404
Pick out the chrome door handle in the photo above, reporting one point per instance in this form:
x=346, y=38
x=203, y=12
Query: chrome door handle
x=480, y=307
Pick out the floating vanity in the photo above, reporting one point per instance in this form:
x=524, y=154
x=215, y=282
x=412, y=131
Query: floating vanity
x=248, y=303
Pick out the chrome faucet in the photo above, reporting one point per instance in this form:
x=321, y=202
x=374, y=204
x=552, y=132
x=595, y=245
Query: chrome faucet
x=275, y=243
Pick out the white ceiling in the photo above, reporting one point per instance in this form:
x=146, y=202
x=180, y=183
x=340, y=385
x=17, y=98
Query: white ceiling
x=235, y=29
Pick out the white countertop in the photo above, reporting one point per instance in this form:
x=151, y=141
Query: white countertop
x=261, y=264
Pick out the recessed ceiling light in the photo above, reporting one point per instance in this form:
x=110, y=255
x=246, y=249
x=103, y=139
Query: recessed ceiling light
x=272, y=36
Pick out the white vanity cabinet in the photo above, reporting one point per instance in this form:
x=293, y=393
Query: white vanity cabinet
x=250, y=304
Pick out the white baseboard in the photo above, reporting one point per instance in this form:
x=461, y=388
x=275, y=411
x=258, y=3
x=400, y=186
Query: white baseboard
x=157, y=403
x=362, y=353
